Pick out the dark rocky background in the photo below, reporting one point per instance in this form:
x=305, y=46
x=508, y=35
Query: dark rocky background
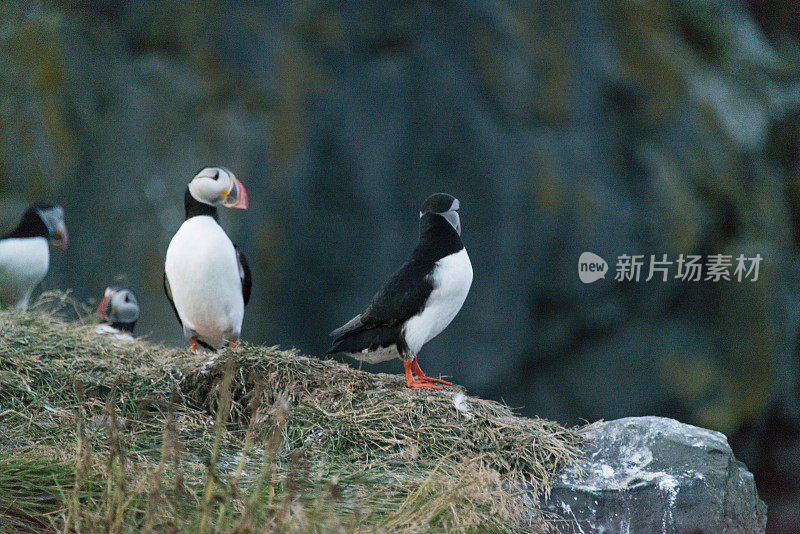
x=619, y=127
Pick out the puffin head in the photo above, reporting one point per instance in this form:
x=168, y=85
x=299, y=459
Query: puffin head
x=53, y=219
x=118, y=306
x=217, y=186
x=444, y=205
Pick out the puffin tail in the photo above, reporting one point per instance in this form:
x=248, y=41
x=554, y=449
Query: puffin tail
x=359, y=340
x=349, y=327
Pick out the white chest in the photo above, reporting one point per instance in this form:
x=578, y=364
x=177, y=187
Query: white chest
x=23, y=265
x=452, y=278
x=381, y=354
x=203, y=274
x=110, y=330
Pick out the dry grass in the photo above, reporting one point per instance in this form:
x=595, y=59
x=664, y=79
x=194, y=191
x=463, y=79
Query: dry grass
x=99, y=435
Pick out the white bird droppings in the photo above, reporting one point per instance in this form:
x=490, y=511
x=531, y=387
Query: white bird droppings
x=461, y=404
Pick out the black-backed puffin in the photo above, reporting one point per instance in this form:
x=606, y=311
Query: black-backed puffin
x=419, y=300
x=206, y=277
x=24, y=254
x=119, y=312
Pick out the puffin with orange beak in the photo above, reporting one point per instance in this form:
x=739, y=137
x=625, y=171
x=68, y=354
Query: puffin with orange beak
x=420, y=299
x=24, y=254
x=206, y=277
x=119, y=312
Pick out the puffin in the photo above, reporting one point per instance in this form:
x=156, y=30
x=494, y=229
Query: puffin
x=119, y=311
x=206, y=277
x=418, y=301
x=24, y=253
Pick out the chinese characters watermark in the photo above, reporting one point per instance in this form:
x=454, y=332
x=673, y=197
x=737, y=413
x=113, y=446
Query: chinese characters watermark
x=685, y=268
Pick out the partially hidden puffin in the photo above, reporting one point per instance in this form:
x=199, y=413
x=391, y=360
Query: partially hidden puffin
x=119, y=311
x=419, y=300
x=206, y=277
x=24, y=254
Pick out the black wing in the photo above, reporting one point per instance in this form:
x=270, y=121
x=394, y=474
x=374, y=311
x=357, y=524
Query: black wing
x=402, y=297
x=168, y=293
x=244, y=275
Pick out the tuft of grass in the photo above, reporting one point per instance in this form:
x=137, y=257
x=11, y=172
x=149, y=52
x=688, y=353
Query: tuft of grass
x=33, y=490
x=101, y=435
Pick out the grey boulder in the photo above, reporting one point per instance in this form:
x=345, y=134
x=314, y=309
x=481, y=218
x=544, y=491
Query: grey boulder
x=652, y=474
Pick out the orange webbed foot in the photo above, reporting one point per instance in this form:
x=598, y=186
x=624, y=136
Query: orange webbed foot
x=193, y=344
x=421, y=384
x=421, y=376
x=414, y=383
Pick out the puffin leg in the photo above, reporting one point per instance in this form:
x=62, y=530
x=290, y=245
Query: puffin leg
x=412, y=382
x=193, y=343
x=421, y=375
x=231, y=338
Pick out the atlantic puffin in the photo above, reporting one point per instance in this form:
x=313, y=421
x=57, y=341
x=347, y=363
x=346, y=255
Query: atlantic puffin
x=206, y=277
x=418, y=301
x=119, y=311
x=24, y=254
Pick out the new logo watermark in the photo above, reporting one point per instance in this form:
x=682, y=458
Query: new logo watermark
x=591, y=267
x=686, y=268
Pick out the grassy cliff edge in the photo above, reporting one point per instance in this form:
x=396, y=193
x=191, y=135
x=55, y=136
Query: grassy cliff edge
x=102, y=435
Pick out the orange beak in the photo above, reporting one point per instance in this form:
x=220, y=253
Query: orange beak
x=237, y=197
x=103, y=307
x=61, y=238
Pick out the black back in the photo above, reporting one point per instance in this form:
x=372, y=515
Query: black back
x=403, y=295
x=194, y=207
x=31, y=224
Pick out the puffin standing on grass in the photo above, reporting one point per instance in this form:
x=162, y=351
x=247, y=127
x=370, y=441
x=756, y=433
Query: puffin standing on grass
x=206, y=277
x=24, y=254
x=119, y=311
x=418, y=301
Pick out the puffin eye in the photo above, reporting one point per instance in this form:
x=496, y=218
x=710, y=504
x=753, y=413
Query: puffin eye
x=127, y=298
x=216, y=175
